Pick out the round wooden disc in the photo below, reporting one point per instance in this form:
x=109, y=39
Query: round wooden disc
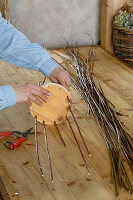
x=57, y=107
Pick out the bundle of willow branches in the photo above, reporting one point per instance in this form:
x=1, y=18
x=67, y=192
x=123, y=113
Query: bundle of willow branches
x=118, y=141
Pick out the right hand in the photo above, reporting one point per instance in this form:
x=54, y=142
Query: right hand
x=27, y=92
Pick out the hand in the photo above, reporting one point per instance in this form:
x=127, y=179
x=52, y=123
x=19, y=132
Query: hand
x=59, y=75
x=27, y=92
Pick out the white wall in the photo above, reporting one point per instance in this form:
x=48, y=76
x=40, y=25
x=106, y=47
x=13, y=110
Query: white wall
x=50, y=21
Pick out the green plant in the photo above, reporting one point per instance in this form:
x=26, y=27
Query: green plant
x=124, y=17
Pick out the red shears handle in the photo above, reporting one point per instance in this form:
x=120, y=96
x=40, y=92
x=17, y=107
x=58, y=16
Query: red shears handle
x=6, y=134
x=12, y=146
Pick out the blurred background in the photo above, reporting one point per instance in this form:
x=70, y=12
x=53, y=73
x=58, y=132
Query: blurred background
x=50, y=22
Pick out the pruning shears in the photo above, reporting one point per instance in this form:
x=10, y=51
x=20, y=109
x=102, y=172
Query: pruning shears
x=22, y=137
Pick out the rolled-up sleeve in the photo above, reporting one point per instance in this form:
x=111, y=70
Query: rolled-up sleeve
x=16, y=49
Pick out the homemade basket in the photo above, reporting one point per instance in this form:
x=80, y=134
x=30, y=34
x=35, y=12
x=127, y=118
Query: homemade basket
x=123, y=43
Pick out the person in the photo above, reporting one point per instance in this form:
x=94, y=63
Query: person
x=16, y=49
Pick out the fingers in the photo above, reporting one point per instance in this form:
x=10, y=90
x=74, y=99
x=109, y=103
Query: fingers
x=36, y=100
x=40, y=94
x=46, y=92
x=55, y=80
x=59, y=75
x=63, y=83
x=31, y=92
x=35, y=92
x=68, y=83
x=27, y=92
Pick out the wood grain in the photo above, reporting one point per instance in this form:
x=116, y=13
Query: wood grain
x=57, y=107
x=3, y=192
x=19, y=169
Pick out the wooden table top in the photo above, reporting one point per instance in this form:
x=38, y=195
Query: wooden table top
x=18, y=168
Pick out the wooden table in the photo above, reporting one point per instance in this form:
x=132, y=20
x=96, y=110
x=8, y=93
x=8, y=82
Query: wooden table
x=19, y=170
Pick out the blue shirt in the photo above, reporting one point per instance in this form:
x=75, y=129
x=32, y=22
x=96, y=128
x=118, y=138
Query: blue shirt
x=16, y=49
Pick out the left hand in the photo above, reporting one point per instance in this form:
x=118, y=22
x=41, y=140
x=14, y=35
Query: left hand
x=60, y=76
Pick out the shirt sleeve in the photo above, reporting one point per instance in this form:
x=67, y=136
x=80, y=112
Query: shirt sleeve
x=16, y=49
x=7, y=97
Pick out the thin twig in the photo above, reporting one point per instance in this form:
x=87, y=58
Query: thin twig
x=59, y=134
x=37, y=154
x=78, y=146
x=47, y=149
x=78, y=128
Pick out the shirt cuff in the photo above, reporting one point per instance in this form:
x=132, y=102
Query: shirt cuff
x=47, y=67
x=9, y=96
